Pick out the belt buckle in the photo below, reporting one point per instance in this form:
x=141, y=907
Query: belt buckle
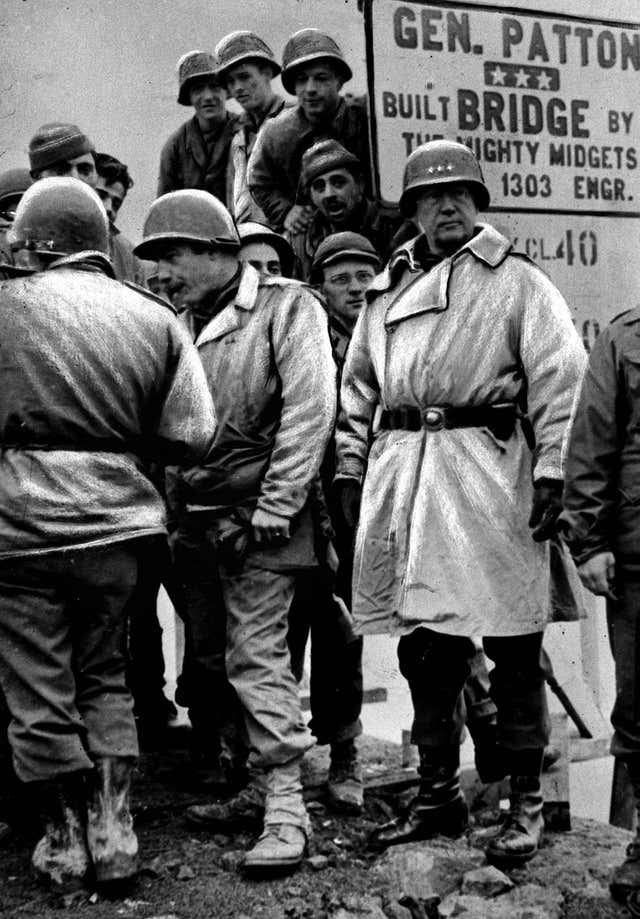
x=433, y=418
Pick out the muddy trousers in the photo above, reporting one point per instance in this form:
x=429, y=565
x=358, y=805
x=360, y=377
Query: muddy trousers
x=623, y=619
x=336, y=659
x=437, y=666
x=61, y=664
x=257, y=603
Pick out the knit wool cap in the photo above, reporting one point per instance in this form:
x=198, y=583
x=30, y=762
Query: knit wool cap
x=324, y=156
x=55, y=142
x=339, y=246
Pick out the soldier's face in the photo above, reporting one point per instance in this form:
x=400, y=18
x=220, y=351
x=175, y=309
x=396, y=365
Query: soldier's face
x=337, y=195
x=209, y=100
x=263, y=257
x=250, y=85
x=447, y=216
x=112, y=195
x=187, y=275
x=344, y=286
x=79, y=167
x=318, y=89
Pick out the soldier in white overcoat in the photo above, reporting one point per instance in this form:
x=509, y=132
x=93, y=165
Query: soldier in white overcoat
x=470, y=351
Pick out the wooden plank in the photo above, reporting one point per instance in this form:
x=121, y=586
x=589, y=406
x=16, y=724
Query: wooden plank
x=375, y=694
x=582, y=749
x=574, y=688
x=555, y=781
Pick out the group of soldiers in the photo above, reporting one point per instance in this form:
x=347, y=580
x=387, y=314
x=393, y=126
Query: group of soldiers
x=294, y=443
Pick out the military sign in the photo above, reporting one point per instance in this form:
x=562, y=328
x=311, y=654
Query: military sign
x=548, y=103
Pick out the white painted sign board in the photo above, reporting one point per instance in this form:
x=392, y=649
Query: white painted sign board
x=547, y=97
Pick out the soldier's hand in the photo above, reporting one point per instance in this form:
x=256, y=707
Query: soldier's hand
x=269, y=529
x=350, y=493
x=598, y=574
x=298, y=219
x=547, y=507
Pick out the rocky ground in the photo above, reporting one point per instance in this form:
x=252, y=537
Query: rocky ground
x=189, y=875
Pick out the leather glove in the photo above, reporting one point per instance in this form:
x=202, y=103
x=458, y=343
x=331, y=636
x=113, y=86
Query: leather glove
x=547, y=507
x=350, y=494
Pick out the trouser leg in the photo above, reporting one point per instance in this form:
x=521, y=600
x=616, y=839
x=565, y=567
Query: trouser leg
x=623, y=619
x=101, y=582
x=336, y=662
x=145, y=658
x=203, y=686
x=436, y=666
x=258, y=664
x=477, y=693
x=46, y=732
x=518, y=691
x=299, y=627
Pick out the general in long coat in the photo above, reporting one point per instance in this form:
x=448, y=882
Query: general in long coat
x=443, y=538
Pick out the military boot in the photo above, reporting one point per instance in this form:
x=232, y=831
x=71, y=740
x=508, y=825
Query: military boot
x=244, y=811
x=345, y=790
x=112, y=841
x=438, y=808
x=625, y=878
x=520, y=834
x=283, y=842
x=61, y=857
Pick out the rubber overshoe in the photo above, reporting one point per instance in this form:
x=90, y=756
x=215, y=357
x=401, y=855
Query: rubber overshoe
x=61, y=857
x=112, y=841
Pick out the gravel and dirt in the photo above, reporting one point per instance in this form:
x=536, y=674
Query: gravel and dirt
x=194, y=875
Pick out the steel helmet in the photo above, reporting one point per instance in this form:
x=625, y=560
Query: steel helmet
x=306, y=46
x=251, y=232
x=237, y=47
x=194, y=65
x=189, y=215
x=13, y=184
x=60, y=216
x=440, y=162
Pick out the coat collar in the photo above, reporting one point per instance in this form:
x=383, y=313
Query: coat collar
x=488, y=246
x=336, y=122
x=229, y=318
x=248, y=122
x=195, y=142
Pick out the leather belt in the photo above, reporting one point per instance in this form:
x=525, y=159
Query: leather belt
x=500, y=418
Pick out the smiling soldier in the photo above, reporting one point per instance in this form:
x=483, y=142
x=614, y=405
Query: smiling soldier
x=196, y=155
x=456, y=508
x=247, y=67
x=314, y=70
